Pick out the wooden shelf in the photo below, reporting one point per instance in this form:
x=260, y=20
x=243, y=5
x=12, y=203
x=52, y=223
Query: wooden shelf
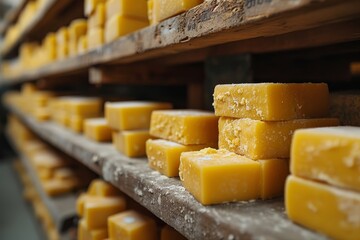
x=61, y=208
x=12, y=16
x=221, y=27
x=167, y=198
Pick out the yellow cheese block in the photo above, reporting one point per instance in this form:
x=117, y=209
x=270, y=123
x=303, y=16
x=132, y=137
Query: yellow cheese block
x=131, y=115
x=101, y=188
x=272, y=101
x=45, y=173
x=72, y=48
x=83, y=106
x=62, y=51
x=49, y=45
x=164, y=155
x=55, y=187
x=97, y=129
x=41, y=114
x=77, y=28
x=28, y=88
x=76, y=123
x=118, y=26
x=127, y=8
x=263, y=140
x=64, y=173
x=163, y=9
x=90, y=6
x=98, y=18
x=187, y=127
x=95, y=38
x=131, y=143
x=168, y=233
x=49, y=159
x=84, y=233
x=82, y=45
x=86, y=198
x=62, y=36
x=218, y=176
x=323, y=208
x=328, y=154
x=132, y=225
x=97, y=212
x=273, y=173
x=150, y=7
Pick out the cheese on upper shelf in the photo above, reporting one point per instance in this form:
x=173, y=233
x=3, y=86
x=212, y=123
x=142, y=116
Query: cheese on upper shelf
x=98, y=18
x=323, y=208
x=62, y=36
x=328, y=154
x=77, y=29
x=164, y=155
x=76, y=123
x=162, y=9
x=83, y=106
x=49, y=45
x=95, y=38
x=187, y=127
x=130, y=115
x=218, y=176
x=90, y=6
x=263, y=140
x=97, y=129
x=127, y=8
x=82, y=45
x=132, y=225
x=169, y=233
x=118, y=26
x=272, y=101
x=131, y=143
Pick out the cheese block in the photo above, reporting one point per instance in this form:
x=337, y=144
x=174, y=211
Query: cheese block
x=164, y=155
x=85, y=198
x=272, y=101
x=82, y=45
x=263, y=140
x=90, y=6
x=218, y=176
x=49, y=159
x=83, y=106
x=99, y=187
x=84, y=233
x=97, y=211
x=65, y=173
x=62, y=51
x=45, y=173
x=56, y=187
x=187, y=127
x=98, y=18
x=49, y=45
x=62, y=36
x=118, y=26
x=323, y=208
x=131, y=115
x=131, y=143
x=76, y=123
x=168, y=233
x=150, y=7
x=97, y=129
x=127, y=8
x=77, y=28
x=163, y=9
x=95, y=38
x=273, y=173
x=132, y=225
x=330, y=155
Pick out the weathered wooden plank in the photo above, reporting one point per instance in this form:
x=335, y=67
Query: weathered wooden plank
x=168, y=199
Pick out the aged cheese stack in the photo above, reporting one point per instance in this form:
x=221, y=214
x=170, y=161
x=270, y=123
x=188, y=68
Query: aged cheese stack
x=255, y=128
x=97, y=129
x=124, y=17
x=130, y=121
x=95, y=11
x=323, y=192
x=180, y=131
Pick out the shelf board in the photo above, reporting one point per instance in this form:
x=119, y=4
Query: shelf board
x=12, y=16
x=221, y=26
x=167, y=198
x=61, y=207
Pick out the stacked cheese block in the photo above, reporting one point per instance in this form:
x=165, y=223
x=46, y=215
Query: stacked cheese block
x=95, y=11
x=124, y=17
x=97, y=129
x=255, y=129
x=323, y=192
x=159, y=10
x=180, y=131
x=130, y=121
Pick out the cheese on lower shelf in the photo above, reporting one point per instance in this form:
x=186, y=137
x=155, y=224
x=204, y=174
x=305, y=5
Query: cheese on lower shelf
x=218, y=176
x=131, y=115
x=328, y=154
x=168, y=233
x=323, y=208
x=163, y=9
x=272, y=101
x=95, y=38
x=263, y=140
x=90, y=6
x=164, y=155
x=84, y=233
x=55, y=187
x=131, y=143
x=273, y=173
x=97, y=129
x=101, y=188
x=128, y=8
x=187, y=127
x=97, y=19
x=118, y=26
x=97, y=211
x=132, y=225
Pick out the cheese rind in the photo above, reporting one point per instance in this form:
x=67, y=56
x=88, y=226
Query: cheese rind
x=272, y=101
x=263, y=140
x=131, y=225
x=218, y=176
x=97, y=129
x=186, y=127
x=164, y=155
x=328, y=154
x=128, y=8
x=323, y=208
x=131, y=143
x=131, y=115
